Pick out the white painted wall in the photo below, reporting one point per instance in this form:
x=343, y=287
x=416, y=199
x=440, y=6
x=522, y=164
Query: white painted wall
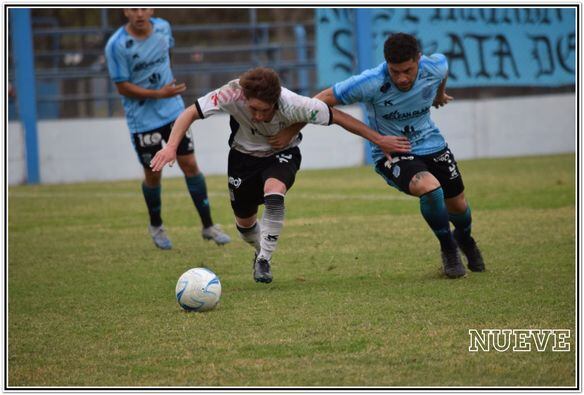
x=100, y=149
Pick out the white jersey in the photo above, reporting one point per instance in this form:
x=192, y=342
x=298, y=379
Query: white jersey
x=251, y=137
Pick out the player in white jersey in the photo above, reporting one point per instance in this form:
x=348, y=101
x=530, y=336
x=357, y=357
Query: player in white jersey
x=399, y=94
x=257, y=173
x=138, y=58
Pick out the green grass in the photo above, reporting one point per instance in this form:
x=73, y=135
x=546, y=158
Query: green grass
x=357, y=299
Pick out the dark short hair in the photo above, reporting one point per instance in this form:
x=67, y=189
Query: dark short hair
x=261, y=83
x=400, y=47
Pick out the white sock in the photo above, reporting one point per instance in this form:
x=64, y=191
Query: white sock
x=250, y=235
x=272, y=223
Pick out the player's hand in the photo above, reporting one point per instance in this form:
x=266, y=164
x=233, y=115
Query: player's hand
x=394, y=144
x=283, y=138
x=442, y=100
x=170, y=90
x=162, y=157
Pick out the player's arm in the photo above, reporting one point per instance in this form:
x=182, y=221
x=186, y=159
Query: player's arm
x=285, y=136
x=328, y=97
x=281, y=139
x=388, y=144
x=134, y=91
x=442, y=98
x=179, y=129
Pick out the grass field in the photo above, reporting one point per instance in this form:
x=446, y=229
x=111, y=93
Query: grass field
x=357, y=298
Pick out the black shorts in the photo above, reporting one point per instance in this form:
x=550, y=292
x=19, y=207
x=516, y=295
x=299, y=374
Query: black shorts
x=441, y=165
x=147, y=144
x=247, y=175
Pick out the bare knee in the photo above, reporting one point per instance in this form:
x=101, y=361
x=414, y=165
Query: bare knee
x=152, y=178
x=423, y=182
x=188, y=164
x=456, y=204
x=246, y=222
x=274, y=186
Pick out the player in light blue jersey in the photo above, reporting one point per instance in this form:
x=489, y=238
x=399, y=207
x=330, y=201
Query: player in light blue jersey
x=138, y=58
x=399, y=94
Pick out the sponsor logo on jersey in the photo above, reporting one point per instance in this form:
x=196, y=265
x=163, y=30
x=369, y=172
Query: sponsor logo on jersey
x=313, y=115
x=146, y=65
x=385, y=87
x=401, y=116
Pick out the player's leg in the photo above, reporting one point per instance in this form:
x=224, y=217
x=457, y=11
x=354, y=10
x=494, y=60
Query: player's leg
x=249, y=230
x=443, y=165
x=146, y=145
x=279, y=176
x=246, y=193
x=197, y=188
x=460, y=215
x=410, y=174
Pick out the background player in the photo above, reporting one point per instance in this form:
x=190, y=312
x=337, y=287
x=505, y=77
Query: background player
x=138, y=57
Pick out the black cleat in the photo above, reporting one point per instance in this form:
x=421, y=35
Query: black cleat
x=472, y=253
x=453, y=267
x=261, y=270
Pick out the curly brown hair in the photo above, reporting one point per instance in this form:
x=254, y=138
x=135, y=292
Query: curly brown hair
x=261, y=83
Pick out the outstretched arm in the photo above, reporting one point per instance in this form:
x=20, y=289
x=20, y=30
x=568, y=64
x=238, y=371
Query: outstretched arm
x=388, y=144
x=328, y=97
x=179, y=129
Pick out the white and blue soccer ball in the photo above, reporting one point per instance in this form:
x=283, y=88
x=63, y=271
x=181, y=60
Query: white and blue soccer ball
x=198, y=289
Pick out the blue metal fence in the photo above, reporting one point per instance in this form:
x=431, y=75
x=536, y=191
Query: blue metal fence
x=74, y=82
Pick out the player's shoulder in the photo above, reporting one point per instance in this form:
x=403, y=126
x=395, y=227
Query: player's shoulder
x=117, y=40
x=290, y=99
x=436, y=64
x=159, y=22
x=229, y=93
x=368, y=79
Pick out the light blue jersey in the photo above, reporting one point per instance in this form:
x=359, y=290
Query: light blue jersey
x=145, y=63
x=396, y=113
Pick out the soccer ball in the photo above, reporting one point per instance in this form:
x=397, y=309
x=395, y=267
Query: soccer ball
x=198, y=289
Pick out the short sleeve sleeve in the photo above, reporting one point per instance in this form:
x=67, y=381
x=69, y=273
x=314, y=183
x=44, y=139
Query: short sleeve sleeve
x=357, y=88
x=305, y=109
x=117, y=64
x=438, y=65
x=218, y=100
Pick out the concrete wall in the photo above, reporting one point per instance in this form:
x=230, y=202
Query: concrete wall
x=100, y=149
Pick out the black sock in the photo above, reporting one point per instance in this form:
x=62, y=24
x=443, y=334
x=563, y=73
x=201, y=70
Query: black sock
x=153, y=202
x=463, y=224
x=434, y=211
x=198, y=191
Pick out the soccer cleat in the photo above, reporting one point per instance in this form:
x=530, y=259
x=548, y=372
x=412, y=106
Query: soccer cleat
x=261, y=270
x=159, y=237
x=453, y=267
x=216, y=234
x=471, y=251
